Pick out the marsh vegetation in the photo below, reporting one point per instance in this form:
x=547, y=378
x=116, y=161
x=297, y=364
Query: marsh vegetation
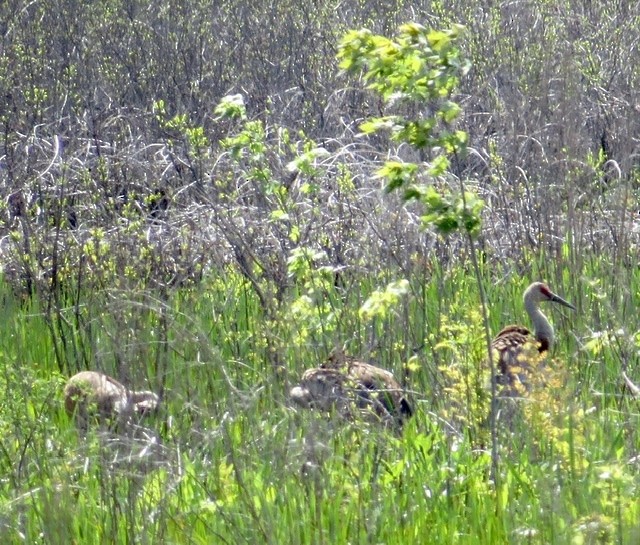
x=194, y=203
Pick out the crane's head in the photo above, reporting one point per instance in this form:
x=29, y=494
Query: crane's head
x=539, y=292
x=144, y=402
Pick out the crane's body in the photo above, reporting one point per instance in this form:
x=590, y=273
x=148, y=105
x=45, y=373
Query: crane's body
x=89, y=390
x=516, y=347
x=343, y=383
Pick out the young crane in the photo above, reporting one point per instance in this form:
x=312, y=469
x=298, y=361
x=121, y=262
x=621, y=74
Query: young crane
x=90, y=391
x=343, y=384
x=516, y=348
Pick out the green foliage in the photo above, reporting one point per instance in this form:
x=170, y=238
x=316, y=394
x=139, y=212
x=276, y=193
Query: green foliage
x=313, y=311
x=399, y=174
x=305, y=162
x=424, y=67
x=420, y=64
x=459, y=343
x=380, y=303
x=197, y=141
x=267, y=169
x=250, y=141
x=231, y=106
x=450, y=213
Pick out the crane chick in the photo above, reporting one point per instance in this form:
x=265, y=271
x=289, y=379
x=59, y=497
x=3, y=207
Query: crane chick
x=90, y=392
x=343, y=384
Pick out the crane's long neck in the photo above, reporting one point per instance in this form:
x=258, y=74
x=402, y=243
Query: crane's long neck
x=542, y=329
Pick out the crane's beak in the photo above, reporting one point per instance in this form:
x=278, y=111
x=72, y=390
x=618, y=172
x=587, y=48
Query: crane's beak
x=557, y=299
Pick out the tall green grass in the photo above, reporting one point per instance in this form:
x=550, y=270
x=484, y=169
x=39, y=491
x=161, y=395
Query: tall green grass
x=232, y=462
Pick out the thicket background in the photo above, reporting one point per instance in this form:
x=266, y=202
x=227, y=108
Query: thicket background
x=133, y=241
x=551, y=107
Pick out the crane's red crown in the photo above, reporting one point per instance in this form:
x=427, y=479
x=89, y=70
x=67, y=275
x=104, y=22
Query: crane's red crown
x=544, y=289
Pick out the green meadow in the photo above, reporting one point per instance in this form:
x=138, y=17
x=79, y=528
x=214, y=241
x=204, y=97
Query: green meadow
x=233, y=462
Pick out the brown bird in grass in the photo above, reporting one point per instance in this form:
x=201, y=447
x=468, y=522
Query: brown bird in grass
x=517, y=349
x=89, y=392
x=344, y=384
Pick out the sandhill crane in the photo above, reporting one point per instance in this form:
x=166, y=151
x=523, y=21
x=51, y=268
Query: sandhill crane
x=89, y=391
x=516, y=348
x=342, y=383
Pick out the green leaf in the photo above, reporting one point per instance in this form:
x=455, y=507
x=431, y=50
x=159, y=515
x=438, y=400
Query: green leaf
x=439, y=166
x=397, y=174
x=450, y=111
x=231, y=106
x=380, y=303
x=439, y=40
x=376, y=124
